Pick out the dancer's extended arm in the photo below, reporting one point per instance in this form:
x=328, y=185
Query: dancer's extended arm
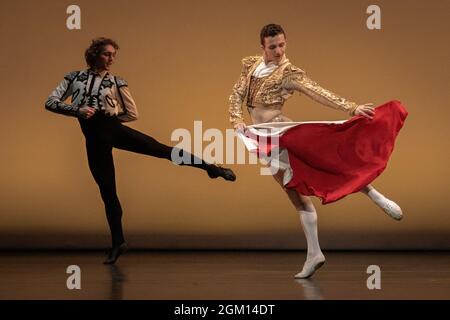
x=129, y=106
x=298, y=80
x=55, y=102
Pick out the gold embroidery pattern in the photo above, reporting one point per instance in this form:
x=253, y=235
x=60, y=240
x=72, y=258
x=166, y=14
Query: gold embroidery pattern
x=291, y=74
x=337, y=102
x=253, y=89
x=298, y=80
x=276, y=88
x=271, y=91
x=239, y=92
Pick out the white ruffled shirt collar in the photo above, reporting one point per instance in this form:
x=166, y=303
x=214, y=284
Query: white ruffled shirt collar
x=263, y=69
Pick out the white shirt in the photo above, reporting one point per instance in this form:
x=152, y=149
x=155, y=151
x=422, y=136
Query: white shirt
x=263, y=69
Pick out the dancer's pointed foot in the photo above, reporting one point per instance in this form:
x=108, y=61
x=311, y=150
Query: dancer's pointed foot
x=392, y=209
x=311, y=265
x=215, y=171
x=115, y=253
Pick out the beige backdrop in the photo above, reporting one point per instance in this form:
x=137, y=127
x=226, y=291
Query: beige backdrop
x=181, y=59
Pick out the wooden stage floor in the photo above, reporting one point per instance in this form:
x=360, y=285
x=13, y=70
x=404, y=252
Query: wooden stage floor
x=223, y=275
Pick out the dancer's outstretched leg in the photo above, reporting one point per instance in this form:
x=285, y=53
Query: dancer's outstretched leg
x=308, y=218
x=390, y=207
x=135, y=141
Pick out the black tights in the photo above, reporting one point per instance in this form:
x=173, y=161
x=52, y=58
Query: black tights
x=104, y=133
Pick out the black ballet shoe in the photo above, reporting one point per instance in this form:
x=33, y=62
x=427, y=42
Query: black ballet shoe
x=217, y=171
x=115, y=253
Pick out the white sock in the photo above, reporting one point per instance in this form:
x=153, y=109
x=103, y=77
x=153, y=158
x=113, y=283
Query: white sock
x=388, y=206
x=376, y=197
x=309, y=223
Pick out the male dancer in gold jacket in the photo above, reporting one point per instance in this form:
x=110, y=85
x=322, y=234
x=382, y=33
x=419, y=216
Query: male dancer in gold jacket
x=265, y=83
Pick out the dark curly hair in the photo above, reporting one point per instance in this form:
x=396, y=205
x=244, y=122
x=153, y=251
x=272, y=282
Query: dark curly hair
x=95, y=50
x=271, y=30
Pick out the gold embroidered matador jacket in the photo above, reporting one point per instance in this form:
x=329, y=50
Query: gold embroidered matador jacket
x=270, y=92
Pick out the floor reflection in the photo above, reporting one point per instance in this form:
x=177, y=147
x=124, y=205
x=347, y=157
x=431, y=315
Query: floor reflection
x=311, y=290
x=118, y=278
x=223, y=276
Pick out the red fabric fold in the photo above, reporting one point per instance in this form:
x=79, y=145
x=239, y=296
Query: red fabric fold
x=331, y=161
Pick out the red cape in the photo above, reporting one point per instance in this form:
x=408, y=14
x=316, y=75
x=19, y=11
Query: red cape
x=331, y=161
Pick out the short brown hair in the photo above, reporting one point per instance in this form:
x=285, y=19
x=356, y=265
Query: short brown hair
x=271, y=30
x=94, y=51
